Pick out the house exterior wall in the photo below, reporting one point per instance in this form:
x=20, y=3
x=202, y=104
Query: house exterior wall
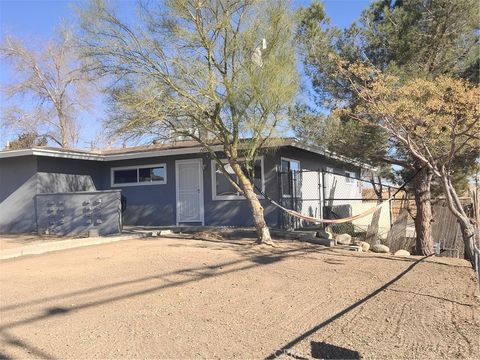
x=237, y=212
x=315, y=187
x=93, y=172
x=155, y=205
x=148, y=205
x=311, y=161
x=22, y=178
x=18, y=186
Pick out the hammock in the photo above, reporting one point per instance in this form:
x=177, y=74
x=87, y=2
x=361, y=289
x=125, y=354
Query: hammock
x=328, y=221
x=335, y=221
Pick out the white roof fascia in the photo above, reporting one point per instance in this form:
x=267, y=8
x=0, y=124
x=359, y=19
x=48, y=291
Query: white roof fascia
x=15, y=153
x=166, y=152
x=67, y=155
x=50, y=153
x=330, y=154
x=108, y=157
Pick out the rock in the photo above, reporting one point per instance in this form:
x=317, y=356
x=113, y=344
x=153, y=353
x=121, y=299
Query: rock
x=365, y=246
x=402, y=253
x=379, y=248
x=343, y=239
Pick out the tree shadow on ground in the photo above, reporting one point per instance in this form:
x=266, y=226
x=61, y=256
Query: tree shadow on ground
x=286, y=348
x=431, y=296
x=248, y=248
x=412, y=259
x=204, y=271
x=14, y=341
x=4, y=357
x=191, y=275
x=321, y=350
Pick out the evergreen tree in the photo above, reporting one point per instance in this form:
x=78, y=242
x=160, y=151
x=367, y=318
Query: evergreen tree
x=410, y=39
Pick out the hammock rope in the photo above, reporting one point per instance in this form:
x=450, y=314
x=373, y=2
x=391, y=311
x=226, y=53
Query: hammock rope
x=330, y=221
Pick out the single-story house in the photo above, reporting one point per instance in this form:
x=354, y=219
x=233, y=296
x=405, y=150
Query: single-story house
x=163, y=184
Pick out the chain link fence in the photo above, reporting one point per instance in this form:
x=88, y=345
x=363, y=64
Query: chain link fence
x=328, y=195
x=323, y=194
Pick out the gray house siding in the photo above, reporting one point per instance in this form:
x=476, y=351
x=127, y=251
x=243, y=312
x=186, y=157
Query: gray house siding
x=237, y=212
x=311, y=161
x=92, y=172
x=149, y=205
x=18, y=186
x=155, y=205
x=22, y=178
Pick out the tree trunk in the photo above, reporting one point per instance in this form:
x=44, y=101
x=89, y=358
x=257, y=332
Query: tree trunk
x=263, y=233
x=423, y=218
x=62, y=127
x=468, y=235
x=454, y=204
x=372, y=230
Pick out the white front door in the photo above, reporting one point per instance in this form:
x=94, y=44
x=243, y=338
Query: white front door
x=189, y=187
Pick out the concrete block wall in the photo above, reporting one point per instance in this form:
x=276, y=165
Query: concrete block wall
x=79, y=213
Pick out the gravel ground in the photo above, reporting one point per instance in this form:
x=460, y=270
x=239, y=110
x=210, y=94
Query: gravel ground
x=174, y=298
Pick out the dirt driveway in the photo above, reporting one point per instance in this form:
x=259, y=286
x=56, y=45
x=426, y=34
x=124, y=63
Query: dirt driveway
x=169, y=298
x=16, y=241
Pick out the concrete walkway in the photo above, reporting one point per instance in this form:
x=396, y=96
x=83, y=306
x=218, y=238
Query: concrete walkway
x=42, y=248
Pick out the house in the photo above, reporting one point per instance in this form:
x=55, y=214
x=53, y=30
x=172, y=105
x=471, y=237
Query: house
x=163, y=184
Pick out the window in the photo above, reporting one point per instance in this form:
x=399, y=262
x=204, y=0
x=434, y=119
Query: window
x=125, y=176
x=139, y=175
x=349, y=177
x=222, y=189
x=290, y=177
x=151, y=174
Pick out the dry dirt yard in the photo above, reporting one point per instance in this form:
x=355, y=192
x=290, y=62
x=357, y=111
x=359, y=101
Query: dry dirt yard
x=174, y=298
x=15, y=241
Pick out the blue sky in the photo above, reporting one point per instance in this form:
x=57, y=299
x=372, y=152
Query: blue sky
x=36, y=20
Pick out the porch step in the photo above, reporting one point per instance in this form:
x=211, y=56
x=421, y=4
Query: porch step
x=322, y=241
x=294, y=235
x=307, y=236
x=349, y=247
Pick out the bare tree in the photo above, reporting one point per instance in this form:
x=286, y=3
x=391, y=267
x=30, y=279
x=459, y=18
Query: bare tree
x=211, y=71
x=47, y=89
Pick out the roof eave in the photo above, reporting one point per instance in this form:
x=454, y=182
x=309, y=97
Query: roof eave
x=169, y=152
x=330, y=154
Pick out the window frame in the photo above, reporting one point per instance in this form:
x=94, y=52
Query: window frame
x=138, y=182
x=350, y=179
x=288, y=196
x=216, y=197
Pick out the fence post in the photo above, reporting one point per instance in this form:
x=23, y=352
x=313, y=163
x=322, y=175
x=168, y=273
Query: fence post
x=293, y=181
x=323, y=193
x=320, y=191
x=281, y=216
x=390, y=205
x=477, y=264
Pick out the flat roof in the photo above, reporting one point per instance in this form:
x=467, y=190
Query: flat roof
x=156, y=150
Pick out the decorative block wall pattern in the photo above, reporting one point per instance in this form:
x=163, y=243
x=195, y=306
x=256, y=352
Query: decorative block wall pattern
x=79, y=213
